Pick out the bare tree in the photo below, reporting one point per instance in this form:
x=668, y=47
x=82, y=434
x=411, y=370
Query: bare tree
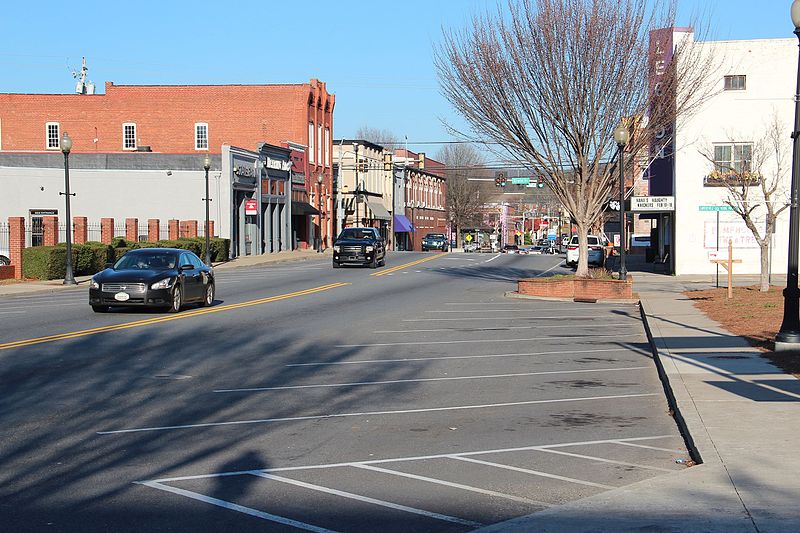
x=755, y=184
x=550, y=79
x=382, y=137
x=462, y=163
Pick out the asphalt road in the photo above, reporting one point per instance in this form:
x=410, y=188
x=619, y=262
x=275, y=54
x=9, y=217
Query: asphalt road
x=411, y=397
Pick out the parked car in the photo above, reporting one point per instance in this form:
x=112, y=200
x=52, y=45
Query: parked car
x=510, y=249
x=471, y=247
x=359, y=246
x=596, y=253
x=4, y=257
x=434, y=241
x=535, y=250
x=153, y=277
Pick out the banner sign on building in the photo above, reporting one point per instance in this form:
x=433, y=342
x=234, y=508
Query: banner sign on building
x=662, y=42
x=652, y=203
x=734, y=231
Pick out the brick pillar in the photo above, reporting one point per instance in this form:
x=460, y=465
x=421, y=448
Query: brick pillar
x=81, y=234
x=191, y=229
x=132, y=229
x=210, y=229
x=174, y=231
x=50, y=229
x=152, y=229
x=106, y=230
x=16, y=243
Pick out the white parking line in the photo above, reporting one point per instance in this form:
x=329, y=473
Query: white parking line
x=451, y=484
x=446, y=357
x=534, y=472
x=603, y=460
x=235, y=507
x=374, y=413
x=367, y=499
x=12, y=312
x=652, y=447
x=493, y=258
x=502, y=328
x=515, y=317
x=535, y=309
x=36, y=306
x=424, y=380
x=462, y=341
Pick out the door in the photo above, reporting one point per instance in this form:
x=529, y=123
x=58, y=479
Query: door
x=192, y=283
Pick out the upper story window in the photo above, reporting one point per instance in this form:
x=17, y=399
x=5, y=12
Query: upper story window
x=311, y=145
x=319, y=144
x=129, y=136
x=53, y=135
x=736, y=83
x=328, y=146
x=732, y=166
x=201, y=136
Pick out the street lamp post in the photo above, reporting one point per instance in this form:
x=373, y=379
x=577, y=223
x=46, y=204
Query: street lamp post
x=66, y=146
x=206, y=167
x=789, y=334
x=357, y=223
x=621, y=136
x=319, y=207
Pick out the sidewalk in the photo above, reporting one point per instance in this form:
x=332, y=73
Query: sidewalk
x=55, y=285
x=743, y=415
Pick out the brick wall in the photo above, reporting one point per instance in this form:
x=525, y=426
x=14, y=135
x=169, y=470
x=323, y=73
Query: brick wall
x=188, y=229
x=16, y=242
x=106, y=230
x=174, y=229
x=132, y=229
x=81, y=230
x=152, y=229
x=50, y=230
x=583, y=289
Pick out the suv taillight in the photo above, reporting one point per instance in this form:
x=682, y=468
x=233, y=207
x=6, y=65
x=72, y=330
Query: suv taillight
x=572, y=248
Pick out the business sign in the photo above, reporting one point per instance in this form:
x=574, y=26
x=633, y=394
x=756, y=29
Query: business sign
x=250, y=207
x=735, y=231
x=278, y=164
x=652, y=203
x=716, y=208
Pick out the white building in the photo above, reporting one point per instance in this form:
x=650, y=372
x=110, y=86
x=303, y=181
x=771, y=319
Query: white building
x=754, y=84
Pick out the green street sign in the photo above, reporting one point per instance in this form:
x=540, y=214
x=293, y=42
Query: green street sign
x=716, y=208
x=520, y=181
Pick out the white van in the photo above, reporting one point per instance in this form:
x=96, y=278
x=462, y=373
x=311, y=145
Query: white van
x=596, y=253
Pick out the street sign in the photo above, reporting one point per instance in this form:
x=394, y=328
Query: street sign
x=551, y=236
x=716, y=208
x=250, y=207
x=468, y=237
x=520, y=181
x=652, y=203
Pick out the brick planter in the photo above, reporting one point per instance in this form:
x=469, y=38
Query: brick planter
x=7, y=272
x=577, y=289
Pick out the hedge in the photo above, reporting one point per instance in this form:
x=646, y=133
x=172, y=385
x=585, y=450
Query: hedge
x=49, y=262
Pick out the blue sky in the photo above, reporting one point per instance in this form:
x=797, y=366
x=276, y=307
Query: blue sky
x=375, y=56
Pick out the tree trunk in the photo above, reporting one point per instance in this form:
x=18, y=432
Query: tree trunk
x=583, y=251
x=765, y=265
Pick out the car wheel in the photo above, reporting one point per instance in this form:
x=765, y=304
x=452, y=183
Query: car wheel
x=4, y=261
x=209, y=298
x=177, y=300
x=100, y=308
x=373, y=263
x=383, y=262
x=335, y=264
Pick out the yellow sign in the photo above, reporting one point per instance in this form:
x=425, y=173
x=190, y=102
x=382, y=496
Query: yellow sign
x=468, y=237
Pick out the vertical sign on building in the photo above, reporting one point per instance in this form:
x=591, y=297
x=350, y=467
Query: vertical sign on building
x=662, y=150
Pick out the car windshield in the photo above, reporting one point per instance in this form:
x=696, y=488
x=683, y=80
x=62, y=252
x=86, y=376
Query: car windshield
x=434, y=236
x=146, y=261
x=355, y=233
x=592, y=241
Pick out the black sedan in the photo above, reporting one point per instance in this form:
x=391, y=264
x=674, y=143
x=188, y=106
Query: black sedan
x=153, y=277
x=434, y=241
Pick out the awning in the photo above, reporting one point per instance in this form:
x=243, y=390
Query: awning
x=303, y=208
x=402, y=224
x=378, y=211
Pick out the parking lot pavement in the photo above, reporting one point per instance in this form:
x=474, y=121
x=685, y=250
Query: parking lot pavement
x=493, y=409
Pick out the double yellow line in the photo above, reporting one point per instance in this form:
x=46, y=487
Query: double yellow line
x=169, y=318
x=406, y=265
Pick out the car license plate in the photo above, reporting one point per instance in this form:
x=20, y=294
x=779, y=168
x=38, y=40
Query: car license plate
x=122, y=296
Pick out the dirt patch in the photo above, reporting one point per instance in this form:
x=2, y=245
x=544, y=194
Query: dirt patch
x=754, y=315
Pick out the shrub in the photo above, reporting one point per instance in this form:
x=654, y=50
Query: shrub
x=44, y=262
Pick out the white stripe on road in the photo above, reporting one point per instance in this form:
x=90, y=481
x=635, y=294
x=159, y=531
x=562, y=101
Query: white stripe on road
x=549, y=317
x=534, y=309
x=603, y=460
x=451, y=484
x=535, y=339
x=446, y=357
x=493, y=258
x=373, y=413
x=367, y=499
x=49, y=306
x=415, y=458
x=540, y=274
x=423, y=380
x=653, y=448
x=503, y=328
x=235, y=507
x=534, y=472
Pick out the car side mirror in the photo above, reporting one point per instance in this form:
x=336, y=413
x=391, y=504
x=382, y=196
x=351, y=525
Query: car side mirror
x=187, y=266
x=109, y=265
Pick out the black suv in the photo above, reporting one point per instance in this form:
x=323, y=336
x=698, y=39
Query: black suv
x=434, y=241
x=359, y=246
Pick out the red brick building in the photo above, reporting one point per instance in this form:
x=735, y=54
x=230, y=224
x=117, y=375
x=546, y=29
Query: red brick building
x=181, y=119
x=425, y=196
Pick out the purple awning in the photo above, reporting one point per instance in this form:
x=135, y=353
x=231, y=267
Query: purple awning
x=402, y=224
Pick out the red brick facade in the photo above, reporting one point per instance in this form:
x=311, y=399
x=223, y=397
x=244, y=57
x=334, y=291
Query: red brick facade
x=188, y=229
x=50, y=230
x=152, y=229
x=166, y=116
x=132, y=229
x=174, y=229
x=16, y=242
x=81, y=233
x=106, y=230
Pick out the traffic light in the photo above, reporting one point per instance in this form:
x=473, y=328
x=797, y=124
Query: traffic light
x=541, y=182
x=500, y=178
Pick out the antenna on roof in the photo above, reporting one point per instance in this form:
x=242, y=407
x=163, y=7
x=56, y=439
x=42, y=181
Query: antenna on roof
x=83, y=86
